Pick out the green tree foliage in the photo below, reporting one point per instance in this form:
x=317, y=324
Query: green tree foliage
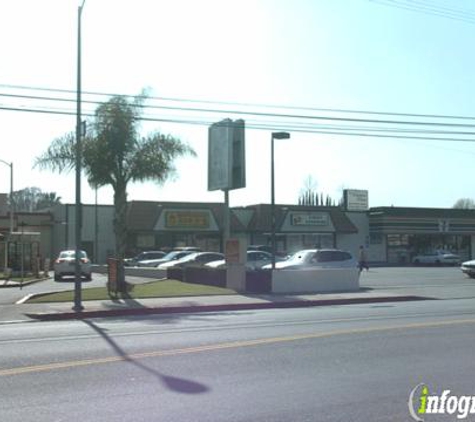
x=33, y=199
x=465, y=203
x=309, y=195
x=114, y=153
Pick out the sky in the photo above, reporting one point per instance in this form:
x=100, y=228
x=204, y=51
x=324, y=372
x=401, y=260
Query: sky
x=282, y=64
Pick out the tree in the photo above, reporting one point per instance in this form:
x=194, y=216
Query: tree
x=33, y=199
x=465, y=203
x=114, y=153
x=47, y=200
x=308, y=194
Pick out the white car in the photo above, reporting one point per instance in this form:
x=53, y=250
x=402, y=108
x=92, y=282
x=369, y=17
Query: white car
x=143, y=256
x=436, y=258
x=321, y=258
x=255, y=260
x=170, y=256
x=468, y=267
x=196, y=259
x=65, y=264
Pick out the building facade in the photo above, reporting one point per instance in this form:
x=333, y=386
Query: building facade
x=398, y=234
x=391, y=235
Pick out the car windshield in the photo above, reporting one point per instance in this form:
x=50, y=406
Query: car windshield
x=173, y=255
x=72, y=254
x=189, y=256
x=301, y=255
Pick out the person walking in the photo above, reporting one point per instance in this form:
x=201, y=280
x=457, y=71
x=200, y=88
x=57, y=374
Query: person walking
x=362, y=259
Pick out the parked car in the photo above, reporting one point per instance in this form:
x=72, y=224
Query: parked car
x=193, y=259
x=268, y=249
x=170, y=256
x=187, y=248
x=468, y=267
x=323, y=258
x=65, y=264
x=255, y=260
x=143, y=256
x=265, y=248
x=436, y=258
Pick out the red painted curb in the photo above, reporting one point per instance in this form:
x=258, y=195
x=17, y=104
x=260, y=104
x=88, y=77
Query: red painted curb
x=218, y=308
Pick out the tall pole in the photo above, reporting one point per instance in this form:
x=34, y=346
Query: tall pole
x=11, y=198
x=272, y=201
x=78, y=211
x=275, y=135
x=226, y=219
x=96, y=231
x=11, y=210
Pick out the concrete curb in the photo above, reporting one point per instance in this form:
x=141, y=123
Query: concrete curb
x=219, y=308
x=8, y=284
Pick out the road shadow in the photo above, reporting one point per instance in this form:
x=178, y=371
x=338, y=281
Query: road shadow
x=176, y=384
x=123, y=300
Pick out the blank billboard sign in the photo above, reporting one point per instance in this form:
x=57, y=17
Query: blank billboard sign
x=226, y=155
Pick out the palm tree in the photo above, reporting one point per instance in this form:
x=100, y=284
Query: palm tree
x=47, y=200
x=114, y=153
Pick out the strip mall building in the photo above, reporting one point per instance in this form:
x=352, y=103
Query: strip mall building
x=392, y=235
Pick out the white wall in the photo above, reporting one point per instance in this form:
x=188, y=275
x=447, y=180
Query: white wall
x=322, y=280
x=64, y=229
x=352, y=242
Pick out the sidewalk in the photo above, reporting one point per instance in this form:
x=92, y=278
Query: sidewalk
x=218, y=303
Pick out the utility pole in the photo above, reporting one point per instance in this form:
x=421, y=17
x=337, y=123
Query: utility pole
x=78, y=208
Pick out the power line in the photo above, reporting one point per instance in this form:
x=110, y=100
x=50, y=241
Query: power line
x=300, y=116
x=444, y=7
x=266, y=127
x=454, y=15
x=227, y=103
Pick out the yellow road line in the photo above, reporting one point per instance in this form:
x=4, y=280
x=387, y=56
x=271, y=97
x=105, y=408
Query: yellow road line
x=220, y=346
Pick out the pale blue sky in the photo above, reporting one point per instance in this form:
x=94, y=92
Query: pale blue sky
x=344, y=54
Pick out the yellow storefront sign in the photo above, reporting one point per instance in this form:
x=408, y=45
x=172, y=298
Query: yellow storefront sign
x=187, y=219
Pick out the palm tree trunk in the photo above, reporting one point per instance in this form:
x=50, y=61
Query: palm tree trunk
x=120, y=229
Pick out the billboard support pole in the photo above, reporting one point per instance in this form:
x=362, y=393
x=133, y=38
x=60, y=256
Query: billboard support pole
x=226, y=218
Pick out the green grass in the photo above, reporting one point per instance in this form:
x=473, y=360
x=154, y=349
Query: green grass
x=167, y=288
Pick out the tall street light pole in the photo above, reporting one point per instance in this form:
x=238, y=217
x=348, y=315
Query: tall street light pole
x=78, y=220
x=275, y=135
x=11, y=208
x=11, y=193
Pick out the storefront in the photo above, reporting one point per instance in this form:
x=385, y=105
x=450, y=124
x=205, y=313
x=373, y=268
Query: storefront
x=154, y=225
x=398, y=234
x=299, y=227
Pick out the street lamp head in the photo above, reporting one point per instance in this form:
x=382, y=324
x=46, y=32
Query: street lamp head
x=280, y=135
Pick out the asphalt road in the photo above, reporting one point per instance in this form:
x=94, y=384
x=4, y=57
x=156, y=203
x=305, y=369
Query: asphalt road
x=438, y=282
x=342, y=363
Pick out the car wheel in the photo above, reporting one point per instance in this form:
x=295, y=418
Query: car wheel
x=471, y=275
x=57, y=277
x=416, y=262
x=437, y=262
x=88, y=277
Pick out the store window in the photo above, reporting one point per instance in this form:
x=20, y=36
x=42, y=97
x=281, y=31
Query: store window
x=398, y=240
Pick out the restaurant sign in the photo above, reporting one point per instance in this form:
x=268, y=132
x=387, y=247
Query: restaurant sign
x=187, y=219
x=309, y=219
